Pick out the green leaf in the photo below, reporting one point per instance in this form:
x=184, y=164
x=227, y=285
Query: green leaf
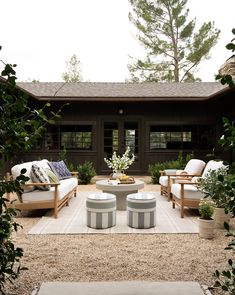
x=221, y=178
x=230, y=262
x=225, y=288
x=217, y=284
x=226, y=226
x=230, y=46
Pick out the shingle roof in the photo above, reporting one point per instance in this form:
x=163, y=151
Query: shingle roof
x=122, y=91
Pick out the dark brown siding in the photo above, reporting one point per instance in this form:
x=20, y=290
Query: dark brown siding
x=162, y=113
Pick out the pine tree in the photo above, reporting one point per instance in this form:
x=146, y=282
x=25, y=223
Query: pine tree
x=173, y=48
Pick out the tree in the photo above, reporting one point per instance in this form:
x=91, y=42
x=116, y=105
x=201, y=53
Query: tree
x=73, y=73
x=20, y=127
x=174, y=49
x=225, y=71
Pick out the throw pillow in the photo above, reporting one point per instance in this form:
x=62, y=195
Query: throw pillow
x=39, y=175
x=51, y=175
x=60, y=170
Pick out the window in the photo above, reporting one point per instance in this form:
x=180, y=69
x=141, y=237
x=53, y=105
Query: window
x=76, y=137
x=181, y=137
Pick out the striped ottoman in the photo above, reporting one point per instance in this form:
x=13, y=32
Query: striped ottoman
x=101, y=210
x=141, y=210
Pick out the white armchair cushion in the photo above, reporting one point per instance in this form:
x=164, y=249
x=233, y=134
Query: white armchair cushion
x=163, y=180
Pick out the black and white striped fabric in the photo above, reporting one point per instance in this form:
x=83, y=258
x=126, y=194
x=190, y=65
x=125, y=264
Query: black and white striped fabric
x=141, y=210
x=101, y=210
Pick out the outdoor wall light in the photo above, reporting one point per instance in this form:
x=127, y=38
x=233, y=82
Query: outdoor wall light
x=120, y=111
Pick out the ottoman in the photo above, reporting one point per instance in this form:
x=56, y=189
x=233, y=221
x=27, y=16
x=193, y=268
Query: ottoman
x=101, y=210
x=141, y=210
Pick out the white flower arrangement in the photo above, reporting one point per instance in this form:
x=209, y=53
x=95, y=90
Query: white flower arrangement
x=120, y=162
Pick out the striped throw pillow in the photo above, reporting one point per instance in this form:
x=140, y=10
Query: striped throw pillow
x=39, y=175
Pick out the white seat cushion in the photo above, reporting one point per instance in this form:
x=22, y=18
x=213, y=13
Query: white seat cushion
x=190, y=191
x=66, y=185
x=163, y=180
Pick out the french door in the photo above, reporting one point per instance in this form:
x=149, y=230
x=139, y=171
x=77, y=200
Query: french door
x=117, y=136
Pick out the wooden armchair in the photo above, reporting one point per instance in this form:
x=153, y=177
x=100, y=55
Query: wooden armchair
x=185, y=193
x=193, y=168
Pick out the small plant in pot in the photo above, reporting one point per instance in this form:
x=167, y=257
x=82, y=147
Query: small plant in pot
x=206, y=222
x=216, y=186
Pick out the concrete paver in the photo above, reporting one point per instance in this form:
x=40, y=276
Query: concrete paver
x=120, y=288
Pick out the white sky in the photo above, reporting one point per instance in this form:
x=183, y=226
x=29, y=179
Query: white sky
x=41, y=35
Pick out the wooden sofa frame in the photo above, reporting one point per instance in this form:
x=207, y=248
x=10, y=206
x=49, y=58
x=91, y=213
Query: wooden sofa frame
x=56, y=204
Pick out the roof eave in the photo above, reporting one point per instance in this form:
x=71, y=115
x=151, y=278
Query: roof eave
x=121, y=99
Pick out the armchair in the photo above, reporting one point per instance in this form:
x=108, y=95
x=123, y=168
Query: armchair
x=193, y=168
x=185, y=192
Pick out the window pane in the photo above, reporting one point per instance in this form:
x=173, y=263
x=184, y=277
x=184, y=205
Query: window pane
x=172, y=137
x=110, y=138
x=76, y=137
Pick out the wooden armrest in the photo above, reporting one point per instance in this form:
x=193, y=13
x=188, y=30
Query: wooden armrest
x=74, y=173
x=41, y=183
x=187, y=182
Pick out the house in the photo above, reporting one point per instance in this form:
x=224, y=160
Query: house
x=156, y=120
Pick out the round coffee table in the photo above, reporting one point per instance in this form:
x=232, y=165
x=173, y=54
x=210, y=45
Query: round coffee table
x=120, y=190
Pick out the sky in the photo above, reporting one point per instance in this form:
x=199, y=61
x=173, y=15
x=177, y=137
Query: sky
x=41, y=35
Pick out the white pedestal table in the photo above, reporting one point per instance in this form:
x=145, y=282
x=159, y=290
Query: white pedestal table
x=120, y=190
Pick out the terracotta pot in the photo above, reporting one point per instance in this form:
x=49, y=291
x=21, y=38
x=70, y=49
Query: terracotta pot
x=220, y=217
x=206, y=228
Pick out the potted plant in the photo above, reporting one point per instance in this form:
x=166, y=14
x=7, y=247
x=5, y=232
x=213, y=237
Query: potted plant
x=217, y=185
x=206, y=222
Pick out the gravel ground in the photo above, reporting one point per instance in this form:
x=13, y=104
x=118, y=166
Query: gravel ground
x=117, y=257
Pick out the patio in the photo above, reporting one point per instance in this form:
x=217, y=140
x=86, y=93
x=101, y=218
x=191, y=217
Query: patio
x=116, y=257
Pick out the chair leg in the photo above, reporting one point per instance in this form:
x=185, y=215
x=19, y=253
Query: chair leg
x=168, y=193
x=182, y=211
x=182, y=201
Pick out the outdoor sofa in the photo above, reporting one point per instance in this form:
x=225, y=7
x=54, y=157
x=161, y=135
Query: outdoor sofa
x=50, y=186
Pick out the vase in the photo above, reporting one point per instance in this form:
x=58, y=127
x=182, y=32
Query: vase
x=206, y=228
x=117, y=174
x=220, y=217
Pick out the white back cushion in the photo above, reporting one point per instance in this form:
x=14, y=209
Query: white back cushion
x=212, y=165
x=15, y=171
x=195, y=167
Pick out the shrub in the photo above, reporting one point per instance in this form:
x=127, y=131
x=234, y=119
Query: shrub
x=85, y=172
